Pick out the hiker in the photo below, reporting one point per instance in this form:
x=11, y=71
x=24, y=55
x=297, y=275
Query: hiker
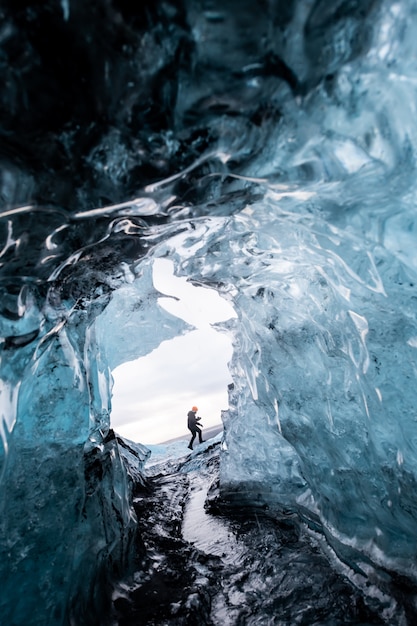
x=194, y=426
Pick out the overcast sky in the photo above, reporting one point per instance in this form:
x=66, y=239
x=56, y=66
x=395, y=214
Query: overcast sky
x=153, y=394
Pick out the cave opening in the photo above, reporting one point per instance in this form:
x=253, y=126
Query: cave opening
x=154, y=389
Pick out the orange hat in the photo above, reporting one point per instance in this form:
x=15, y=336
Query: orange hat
x=194, y=408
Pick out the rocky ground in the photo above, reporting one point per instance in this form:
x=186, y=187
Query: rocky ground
x=202, y=562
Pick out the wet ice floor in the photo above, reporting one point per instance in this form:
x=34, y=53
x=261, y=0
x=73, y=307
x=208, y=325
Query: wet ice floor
x=207, y=533
x=237, y=567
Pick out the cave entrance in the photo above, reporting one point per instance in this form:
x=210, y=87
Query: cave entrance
x=153, y=393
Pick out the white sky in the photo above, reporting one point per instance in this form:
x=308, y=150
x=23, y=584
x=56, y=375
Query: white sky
x=153, y=394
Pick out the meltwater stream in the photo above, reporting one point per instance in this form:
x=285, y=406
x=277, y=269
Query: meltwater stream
x=269, y=154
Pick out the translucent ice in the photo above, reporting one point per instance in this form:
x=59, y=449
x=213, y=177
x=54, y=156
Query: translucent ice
x=271, y=157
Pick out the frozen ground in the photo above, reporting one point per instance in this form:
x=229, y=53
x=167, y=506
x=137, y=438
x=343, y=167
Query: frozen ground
x=202, y=561
x=178, y=447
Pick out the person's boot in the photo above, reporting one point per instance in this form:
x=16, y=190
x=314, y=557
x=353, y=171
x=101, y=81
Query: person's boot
x=190, y=446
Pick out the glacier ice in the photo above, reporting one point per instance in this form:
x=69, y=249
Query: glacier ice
x=270, y=156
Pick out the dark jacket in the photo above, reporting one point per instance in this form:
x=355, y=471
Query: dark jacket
x=193, y=420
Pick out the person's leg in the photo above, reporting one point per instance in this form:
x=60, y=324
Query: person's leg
x=200, y=438
x=190, y=445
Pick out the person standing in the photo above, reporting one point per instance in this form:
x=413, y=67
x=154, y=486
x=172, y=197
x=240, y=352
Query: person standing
x=194, y=426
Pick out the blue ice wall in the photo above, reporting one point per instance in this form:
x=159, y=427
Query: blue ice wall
x=67, y=526
x=271, y=156
x=322, y=272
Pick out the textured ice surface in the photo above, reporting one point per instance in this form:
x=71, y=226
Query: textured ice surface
x=270, y=155
x=133, y=323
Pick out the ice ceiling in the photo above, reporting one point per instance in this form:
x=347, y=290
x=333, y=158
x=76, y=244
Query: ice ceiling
x=270, y=154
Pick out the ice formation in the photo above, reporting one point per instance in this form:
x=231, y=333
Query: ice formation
x=271, y=155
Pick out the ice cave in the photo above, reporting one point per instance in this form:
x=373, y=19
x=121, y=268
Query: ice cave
x=269, y=151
